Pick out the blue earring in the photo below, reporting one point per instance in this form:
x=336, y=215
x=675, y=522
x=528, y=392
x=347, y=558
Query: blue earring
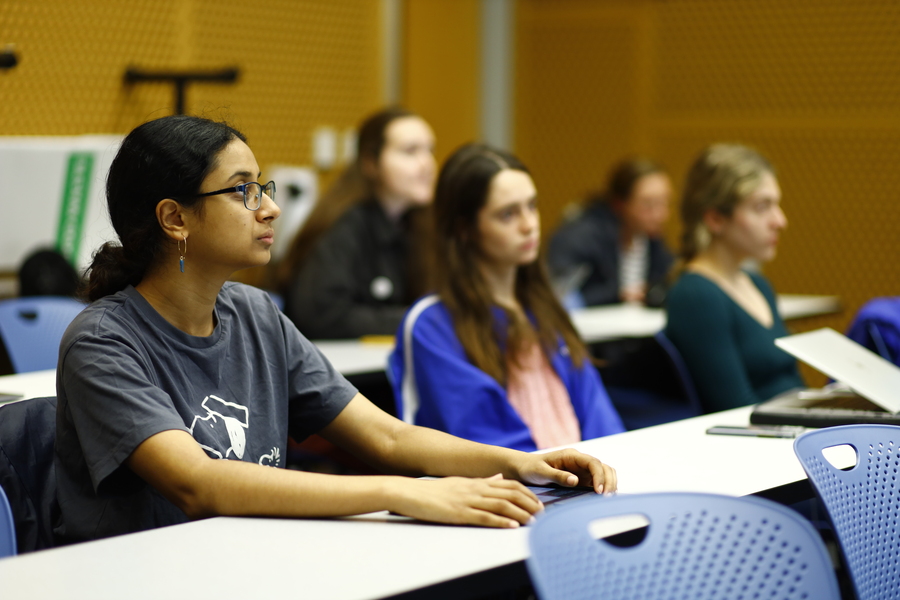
x=182, y=252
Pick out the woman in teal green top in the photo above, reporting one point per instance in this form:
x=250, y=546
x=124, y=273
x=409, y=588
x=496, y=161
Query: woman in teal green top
x=721, y=317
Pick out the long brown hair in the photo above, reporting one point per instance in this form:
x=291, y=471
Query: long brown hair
x=722, y=176
x=462, y=191
x=353, y=186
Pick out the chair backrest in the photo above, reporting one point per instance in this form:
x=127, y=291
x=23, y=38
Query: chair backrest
x=681, y=371
x=31, y=329
x=7, y=528
x=27, y=471
x=863, y=502
x=277, y=299
x=877, y=327
x=698, y=546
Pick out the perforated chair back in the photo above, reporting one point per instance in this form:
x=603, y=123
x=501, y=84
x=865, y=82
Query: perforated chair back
x=681, y=371
x=31, y=329
x=698, y=546
x=863, y=502
x=7, y=529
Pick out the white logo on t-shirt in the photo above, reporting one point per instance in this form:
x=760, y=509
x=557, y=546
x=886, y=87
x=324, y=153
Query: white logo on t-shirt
x=271, y=459
x=235, y=418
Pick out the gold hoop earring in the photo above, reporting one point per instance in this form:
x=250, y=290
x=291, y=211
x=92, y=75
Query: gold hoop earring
x=181, y=252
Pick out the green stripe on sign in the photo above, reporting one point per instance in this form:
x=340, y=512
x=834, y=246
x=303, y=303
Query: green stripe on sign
x=74, y=204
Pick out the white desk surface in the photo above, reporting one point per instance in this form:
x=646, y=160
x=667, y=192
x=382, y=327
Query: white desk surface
x=354, y=357
x=605, y=323
x=350, y=357
x=375, y=555
x=596, y=324
x=30, y=385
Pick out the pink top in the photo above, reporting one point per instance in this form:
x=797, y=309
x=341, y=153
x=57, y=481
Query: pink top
x=537, y=394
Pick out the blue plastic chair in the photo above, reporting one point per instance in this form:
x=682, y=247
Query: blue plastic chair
x=7, y=529
x=277, y=298
x=863, y=502
x=681, y=371
x=698, y=546
x=877, y=327
x=28, y=472
x=31, y=329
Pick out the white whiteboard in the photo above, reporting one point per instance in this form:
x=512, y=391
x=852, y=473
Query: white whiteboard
x=32, y=180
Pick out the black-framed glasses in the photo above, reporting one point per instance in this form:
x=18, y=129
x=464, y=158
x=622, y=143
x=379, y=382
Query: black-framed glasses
x=252, y=192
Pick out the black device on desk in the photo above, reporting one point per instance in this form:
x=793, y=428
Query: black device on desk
x=765, y=431
x=870, y=392
x=552, y=494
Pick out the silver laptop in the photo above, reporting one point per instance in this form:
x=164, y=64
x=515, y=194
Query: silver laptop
x=875, y=385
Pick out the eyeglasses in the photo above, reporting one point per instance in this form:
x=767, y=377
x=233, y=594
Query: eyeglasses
x=252, y=192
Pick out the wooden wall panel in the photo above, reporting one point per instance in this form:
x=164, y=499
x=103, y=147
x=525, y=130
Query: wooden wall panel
x=303, y=63
x=441, y=68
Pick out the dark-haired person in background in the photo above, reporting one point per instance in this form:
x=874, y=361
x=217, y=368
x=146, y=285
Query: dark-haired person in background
x=47, y=273
x=614, y=248
x=352, y=269
x=178, y=389
x=493, y=357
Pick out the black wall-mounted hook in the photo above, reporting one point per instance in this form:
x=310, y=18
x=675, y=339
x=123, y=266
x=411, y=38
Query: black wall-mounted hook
x=181, y=79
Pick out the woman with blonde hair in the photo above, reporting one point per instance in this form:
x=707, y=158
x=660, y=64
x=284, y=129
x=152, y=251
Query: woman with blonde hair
x=492, y=356
x=723, y=317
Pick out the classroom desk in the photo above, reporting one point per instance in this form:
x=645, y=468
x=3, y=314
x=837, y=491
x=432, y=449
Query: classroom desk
x=350, y=357
x=353, y=357
x=596, y=324
x=617, y=321
x=376, y=555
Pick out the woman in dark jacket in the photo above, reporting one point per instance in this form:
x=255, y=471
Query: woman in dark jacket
x=350, y=271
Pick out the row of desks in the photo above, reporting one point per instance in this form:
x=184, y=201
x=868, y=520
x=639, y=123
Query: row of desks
x=379, y=555
x=596, y=324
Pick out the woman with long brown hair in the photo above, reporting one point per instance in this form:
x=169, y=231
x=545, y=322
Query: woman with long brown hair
x=351, y=270
x=492, y=356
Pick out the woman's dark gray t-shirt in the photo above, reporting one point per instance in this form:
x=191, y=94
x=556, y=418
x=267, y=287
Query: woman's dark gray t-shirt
x=126, y=374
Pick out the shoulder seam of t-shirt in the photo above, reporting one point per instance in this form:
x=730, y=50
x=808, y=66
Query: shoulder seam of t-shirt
x=409, y=390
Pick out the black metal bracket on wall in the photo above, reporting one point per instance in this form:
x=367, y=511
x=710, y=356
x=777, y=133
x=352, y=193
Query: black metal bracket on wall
x=181, y=79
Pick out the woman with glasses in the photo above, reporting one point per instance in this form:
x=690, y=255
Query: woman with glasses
x=178, y=389
x=493, y=357
x=722, y=316
x=353, y=268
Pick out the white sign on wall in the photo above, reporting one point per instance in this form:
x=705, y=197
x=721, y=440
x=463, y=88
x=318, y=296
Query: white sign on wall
x=53, y=194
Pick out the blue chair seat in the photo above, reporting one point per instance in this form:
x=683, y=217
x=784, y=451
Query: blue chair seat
x=7, y=528
x=31, y=329
x=27, y=470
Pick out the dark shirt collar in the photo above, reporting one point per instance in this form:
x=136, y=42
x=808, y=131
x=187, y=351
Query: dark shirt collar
x=385, y=231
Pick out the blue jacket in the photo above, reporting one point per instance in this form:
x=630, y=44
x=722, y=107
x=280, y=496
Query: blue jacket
x=445, y=391
x=877, y=327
